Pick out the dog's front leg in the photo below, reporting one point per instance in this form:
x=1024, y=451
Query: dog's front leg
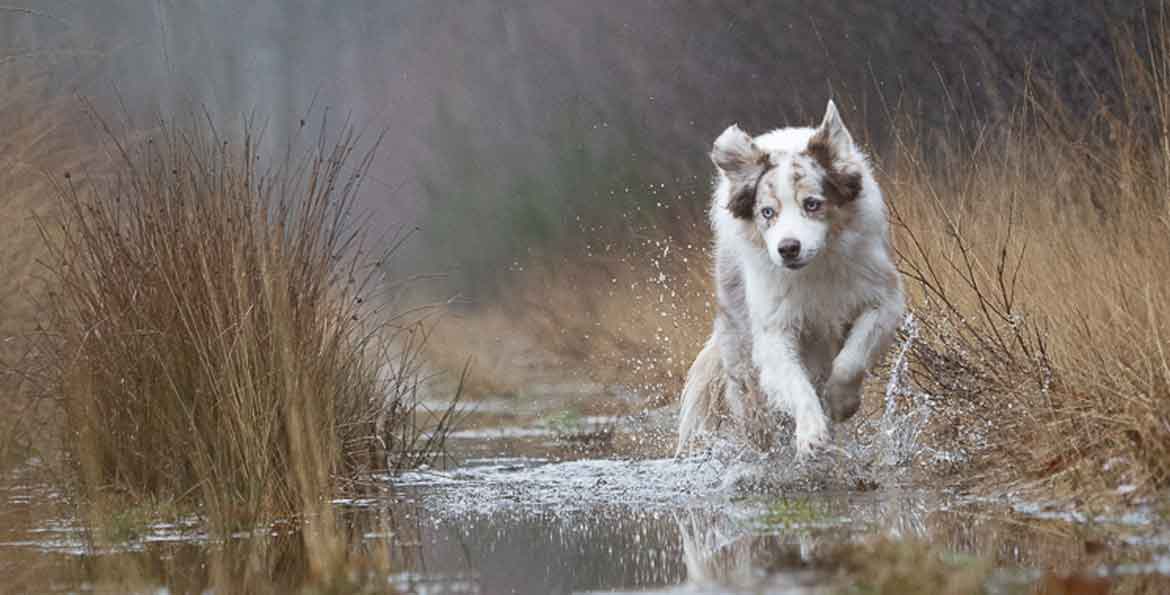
x=870, y=335
x=787, y=386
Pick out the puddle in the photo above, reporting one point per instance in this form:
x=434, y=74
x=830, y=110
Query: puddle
x=565, y=525
x=537, y=514
x=578, y=504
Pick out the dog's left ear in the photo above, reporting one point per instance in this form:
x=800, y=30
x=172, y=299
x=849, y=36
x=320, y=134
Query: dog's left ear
x=832, y=147
x=831, y=135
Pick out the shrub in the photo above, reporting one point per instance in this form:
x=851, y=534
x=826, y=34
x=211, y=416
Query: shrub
x=1036, y=256
x=214, y=329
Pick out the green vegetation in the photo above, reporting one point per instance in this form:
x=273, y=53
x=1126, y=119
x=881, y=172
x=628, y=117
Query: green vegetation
x=565, y=423
x=129, y=521
x=787, y=513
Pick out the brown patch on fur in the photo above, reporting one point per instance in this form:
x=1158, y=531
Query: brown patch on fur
x=806, y=180
x=840, y=186
x=742, y=203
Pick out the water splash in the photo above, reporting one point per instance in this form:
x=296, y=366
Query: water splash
x=493, y=485
x=859, y=457
x=898, y=433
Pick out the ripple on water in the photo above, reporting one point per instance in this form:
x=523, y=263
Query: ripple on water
x=567, y=486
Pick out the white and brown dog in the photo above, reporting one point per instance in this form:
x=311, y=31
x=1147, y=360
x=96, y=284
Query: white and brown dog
x=808, y=294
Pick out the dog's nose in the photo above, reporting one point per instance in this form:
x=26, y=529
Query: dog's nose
x=789, y=249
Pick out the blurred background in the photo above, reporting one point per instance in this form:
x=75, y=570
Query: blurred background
x=506, y=120
x=519, y=134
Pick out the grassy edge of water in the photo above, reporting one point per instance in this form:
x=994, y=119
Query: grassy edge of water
x=217, y=341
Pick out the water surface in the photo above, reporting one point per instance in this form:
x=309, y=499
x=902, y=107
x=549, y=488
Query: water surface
x=533, y=506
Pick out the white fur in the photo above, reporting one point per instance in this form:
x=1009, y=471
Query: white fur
x=790, y=328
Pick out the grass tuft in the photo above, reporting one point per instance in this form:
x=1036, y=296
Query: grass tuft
x=213, y=337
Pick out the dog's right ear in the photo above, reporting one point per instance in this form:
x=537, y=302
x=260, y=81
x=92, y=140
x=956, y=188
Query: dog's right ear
x=742, y=162
x=735, y=151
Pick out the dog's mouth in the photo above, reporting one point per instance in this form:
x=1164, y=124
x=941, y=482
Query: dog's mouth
x=795, y=265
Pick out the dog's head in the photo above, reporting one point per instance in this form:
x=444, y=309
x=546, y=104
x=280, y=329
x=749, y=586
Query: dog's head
x=792, y=202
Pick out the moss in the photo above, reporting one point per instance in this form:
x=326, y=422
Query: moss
x=793, y=512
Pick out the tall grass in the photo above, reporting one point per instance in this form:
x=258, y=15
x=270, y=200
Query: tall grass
x=1037, y=256
x=214, y=335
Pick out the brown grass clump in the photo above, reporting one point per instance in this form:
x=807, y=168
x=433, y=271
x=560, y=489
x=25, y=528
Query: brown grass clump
x=211, y=336
x=1037, y=262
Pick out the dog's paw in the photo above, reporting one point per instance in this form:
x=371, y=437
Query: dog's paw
x=811, y=431
x=842, y=399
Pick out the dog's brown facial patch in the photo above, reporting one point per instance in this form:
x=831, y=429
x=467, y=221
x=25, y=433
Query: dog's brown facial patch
x=841, y=184
x=742, y=203
x=808, y=181
x=743, y=164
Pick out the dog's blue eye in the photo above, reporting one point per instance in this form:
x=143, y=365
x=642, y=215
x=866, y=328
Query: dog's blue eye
x=768, y=212
x=813, y=205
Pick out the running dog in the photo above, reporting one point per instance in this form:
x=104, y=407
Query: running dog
x=807, y=292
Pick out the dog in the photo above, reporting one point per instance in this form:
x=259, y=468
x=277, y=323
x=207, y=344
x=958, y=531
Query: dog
x=807, y=292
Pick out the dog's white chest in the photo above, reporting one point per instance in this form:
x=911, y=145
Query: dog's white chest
x=819, y=302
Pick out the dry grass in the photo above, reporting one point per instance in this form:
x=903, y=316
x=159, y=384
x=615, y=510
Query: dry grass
x=194, y=334
x=40, y=131
x=211, y=336
x=1037, y=262
x=628, y=312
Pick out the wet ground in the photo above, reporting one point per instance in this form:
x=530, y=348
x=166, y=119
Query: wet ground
x=566, y=503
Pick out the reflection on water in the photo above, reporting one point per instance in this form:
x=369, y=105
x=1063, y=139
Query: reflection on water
x=547, y=552
x=561, y=523
x=773, y=544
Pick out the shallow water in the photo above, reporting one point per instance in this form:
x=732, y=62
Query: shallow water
x=568, y=522
x=527, y=509
x=540, y=498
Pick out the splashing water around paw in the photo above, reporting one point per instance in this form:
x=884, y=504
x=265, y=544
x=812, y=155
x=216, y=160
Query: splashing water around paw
x=860, y=456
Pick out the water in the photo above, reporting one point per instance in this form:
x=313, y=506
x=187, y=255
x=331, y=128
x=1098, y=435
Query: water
x=539, y=499
x=568, y=522
x=530, y=509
